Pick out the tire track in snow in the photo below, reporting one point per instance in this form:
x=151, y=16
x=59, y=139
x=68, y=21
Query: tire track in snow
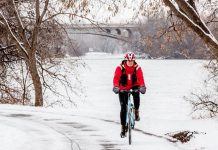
x=141, y=131
x=72, y=142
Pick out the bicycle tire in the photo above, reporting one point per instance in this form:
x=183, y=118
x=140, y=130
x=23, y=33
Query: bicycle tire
x=130, y=129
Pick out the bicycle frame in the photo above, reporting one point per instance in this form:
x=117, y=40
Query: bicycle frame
x=130, y=117
x=130, y=114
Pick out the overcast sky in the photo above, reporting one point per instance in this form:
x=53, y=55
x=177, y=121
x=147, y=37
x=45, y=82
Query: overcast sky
x=114, y=12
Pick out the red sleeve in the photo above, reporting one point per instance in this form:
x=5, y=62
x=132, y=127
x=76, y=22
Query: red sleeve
x=117, y=75
x=140, y=77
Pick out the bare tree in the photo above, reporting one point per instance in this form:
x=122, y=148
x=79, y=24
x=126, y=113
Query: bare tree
x=27, y=47
x=32, y=26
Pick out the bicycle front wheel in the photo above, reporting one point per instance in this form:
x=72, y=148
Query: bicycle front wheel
x=130, y=129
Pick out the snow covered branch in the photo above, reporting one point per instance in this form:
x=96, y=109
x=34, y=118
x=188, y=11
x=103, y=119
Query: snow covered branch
x=189, y=15
x=192, y=14
x=1, y=23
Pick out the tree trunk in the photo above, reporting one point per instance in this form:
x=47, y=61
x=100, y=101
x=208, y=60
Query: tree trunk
x=36, y=80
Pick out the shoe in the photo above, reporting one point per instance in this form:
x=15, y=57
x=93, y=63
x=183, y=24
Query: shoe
x=137, y=118
x=123, y=131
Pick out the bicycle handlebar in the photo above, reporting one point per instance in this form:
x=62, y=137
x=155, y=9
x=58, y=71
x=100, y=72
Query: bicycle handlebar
x=129, y=91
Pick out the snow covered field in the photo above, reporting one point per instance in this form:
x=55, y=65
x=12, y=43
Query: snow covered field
x=94, y=123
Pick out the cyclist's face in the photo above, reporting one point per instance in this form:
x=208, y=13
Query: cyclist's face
x=130, y=63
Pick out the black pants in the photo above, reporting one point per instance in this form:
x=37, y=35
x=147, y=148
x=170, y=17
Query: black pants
x=123, y=97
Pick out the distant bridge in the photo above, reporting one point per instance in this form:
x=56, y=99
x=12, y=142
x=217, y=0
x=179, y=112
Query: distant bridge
x=118, y=31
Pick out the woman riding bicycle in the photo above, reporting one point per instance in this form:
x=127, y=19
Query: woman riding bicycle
x=128, y=75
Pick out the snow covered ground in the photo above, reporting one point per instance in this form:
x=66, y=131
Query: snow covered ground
x=94, y=123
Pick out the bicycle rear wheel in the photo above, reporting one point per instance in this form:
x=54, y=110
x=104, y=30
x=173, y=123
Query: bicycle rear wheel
x=130, y=129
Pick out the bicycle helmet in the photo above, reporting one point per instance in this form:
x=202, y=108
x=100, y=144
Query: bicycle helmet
x=129, y=56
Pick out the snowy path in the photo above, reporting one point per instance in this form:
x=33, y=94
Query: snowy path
x=36, y=129
x=30, y=132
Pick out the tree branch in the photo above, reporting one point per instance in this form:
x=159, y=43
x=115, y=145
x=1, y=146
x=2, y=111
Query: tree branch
x=209, y=39
x=4, y=48
x=45, y=9
x=36, y=27
x=23, y=35
x=192, y=13
x=14, y=37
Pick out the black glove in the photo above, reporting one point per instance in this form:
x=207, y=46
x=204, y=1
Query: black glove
x=142, y=89
x=116, y=89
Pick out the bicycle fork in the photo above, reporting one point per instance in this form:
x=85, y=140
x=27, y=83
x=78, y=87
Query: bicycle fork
x=130, y=117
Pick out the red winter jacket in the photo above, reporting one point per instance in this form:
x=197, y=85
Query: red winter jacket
x=129, y=72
